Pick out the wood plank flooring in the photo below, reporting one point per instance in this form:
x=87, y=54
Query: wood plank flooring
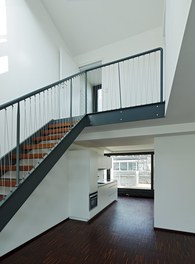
x=122, y=234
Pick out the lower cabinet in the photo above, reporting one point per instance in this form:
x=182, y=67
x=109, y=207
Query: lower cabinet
x=106, y=195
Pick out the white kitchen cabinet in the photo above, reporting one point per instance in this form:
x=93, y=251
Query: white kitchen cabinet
x=104, y=162
x=107, y=193
x=82, y=182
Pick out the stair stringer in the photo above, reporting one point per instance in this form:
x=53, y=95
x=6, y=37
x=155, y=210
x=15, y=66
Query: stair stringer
x=17, y=198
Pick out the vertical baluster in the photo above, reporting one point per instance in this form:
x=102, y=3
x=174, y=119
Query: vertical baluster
x=119, y=82
x=71, y=103
x=59, y=103
x=11, y=139
x=161, y=75
x=85, y=92
x=155, y=74
x=25, y=129
x=4, y=151
x=48, y=116
x=18, y=145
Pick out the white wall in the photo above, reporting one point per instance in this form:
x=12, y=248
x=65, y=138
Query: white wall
x=46, y=207
x=127, y=47
x=33, y=48
x=176, y=16
x=37, y=56
x=174, y=183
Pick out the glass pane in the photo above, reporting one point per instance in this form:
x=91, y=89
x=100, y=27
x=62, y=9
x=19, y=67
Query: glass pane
x=115, y=166
x=132, y=171
x=132, y=166
x=123, y=166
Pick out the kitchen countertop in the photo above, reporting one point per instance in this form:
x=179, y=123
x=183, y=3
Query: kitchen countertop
x=103, y=183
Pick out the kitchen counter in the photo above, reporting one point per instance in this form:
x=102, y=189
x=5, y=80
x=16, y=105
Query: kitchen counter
x=103, y=183
x=107, y=193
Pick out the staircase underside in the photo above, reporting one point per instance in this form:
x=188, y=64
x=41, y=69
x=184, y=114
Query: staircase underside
x=20, y=194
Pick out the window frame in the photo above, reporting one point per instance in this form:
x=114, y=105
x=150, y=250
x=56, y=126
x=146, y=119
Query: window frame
x=149, y=193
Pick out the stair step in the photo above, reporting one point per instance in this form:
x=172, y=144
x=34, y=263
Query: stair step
x=46, y=138
x=30, y=156
x=13, y=168
x=30, y=162
x=12, y=175
x=63, y=124
x=37, y=151
x=39, y=146
x=8, y=182
x=55, y=131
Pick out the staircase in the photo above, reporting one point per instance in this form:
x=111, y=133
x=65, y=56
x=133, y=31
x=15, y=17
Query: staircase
x=38, y=128
x=31, y=155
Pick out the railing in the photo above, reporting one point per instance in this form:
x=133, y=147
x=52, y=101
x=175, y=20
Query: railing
x=133, y=81
x=26, y=137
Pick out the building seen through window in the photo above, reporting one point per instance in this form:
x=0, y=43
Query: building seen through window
x=132, y=171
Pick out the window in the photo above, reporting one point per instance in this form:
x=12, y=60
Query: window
x=132, y=166
x=133, y=171
x=123, y=166
x=116, y=165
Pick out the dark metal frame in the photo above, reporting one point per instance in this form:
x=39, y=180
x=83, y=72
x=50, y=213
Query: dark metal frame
x=129, y=114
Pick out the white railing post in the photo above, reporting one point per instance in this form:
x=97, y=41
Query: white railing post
x=18, y=146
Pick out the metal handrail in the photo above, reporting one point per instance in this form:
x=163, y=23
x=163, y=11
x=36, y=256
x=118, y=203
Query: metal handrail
x=24, y=97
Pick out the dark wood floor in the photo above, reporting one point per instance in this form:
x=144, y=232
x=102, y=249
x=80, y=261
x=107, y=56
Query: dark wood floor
x=121, y=234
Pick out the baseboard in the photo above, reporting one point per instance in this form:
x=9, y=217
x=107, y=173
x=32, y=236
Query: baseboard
x=141, y=193
x=31, y=240
x=174, y=231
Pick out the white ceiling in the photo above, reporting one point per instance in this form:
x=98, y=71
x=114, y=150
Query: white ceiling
x=122, y=144
x=90, y=24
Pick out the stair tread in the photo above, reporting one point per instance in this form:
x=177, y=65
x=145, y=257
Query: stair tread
x=63, y=124
x=8, y=182
x=39, y=146
x=12, y=175
x=30, y=156
x=49, y=137
x=54, y=131
x=13, y=168
x=36, y=151
x=29, y=162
